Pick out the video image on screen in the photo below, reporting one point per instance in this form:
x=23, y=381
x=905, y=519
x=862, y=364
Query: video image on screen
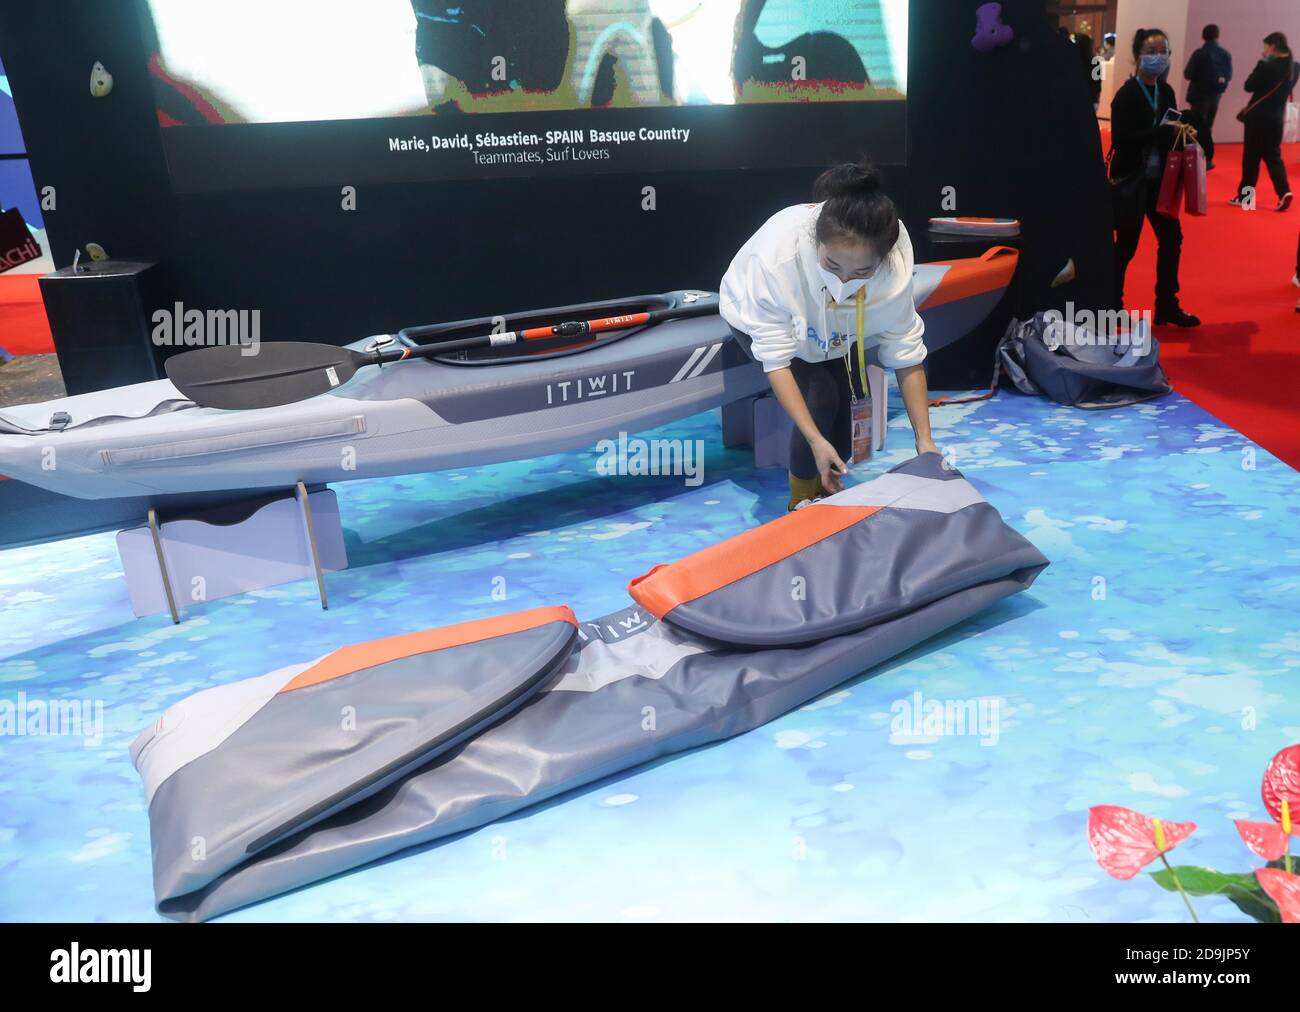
x=253, y=61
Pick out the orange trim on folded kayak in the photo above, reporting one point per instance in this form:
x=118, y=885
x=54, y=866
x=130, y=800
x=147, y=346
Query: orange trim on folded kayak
x=665, y=587
x=968, y=277
x=360, y=656
x=985, y=221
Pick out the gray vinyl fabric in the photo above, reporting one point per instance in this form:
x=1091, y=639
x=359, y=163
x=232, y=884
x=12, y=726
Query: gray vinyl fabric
x=1079, y=375
x=589, y=721
x=416, y=416
x=838, y=594
x=315, y=750
x=146, y=440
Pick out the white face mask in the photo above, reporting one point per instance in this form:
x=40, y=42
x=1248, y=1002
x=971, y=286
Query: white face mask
x=841, y=291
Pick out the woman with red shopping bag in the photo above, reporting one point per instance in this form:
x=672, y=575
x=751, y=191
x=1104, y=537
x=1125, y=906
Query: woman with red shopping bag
x=1145, y=128
x=1183, y=182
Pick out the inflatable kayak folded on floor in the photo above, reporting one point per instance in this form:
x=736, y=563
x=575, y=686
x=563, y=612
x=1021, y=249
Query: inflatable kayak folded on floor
x=459, y=410
x=268, y=784
x=1073, y=366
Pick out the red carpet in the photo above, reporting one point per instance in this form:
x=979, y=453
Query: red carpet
x=1243, y=363
x=24, y=329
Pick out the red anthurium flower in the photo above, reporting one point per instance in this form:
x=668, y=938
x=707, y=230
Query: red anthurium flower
x=1264, y=838
x=1285, y=891
x=1281, y=789
x=1124, y=841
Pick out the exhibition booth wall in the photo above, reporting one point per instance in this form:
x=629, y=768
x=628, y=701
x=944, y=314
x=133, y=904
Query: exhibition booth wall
x=1009, y=131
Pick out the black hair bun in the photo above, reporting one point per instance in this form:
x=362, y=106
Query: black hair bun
x=855, y=207
x=852, y=179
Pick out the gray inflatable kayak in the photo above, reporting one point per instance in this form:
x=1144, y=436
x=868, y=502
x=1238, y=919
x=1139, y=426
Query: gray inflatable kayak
x=459, y=410
x=254, y=787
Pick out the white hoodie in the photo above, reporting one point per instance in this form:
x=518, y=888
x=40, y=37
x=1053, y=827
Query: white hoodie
x=773, y=292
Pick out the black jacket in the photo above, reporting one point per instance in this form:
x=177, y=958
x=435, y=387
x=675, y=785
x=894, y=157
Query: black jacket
x=1208, y=72
x=1277, y=76
x=1133, y=129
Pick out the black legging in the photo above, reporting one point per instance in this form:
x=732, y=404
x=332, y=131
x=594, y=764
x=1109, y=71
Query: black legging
x=825, y=389
x=1263, y=143
x=1169, y=248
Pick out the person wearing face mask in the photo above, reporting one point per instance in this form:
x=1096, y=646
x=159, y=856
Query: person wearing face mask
x=1141, y=140
x=816, y=294
x=1270, y=85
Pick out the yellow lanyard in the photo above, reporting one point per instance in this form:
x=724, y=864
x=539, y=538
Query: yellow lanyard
x=861, y=300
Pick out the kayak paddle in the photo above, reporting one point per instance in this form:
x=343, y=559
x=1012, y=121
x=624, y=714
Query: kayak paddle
x=285, y=372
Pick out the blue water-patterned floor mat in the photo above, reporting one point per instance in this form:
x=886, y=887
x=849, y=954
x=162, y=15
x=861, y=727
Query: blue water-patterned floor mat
x=1155, y=664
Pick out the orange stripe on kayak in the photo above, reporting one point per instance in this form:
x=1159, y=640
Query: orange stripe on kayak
x=665, y=587
x=360, y=656
x=974, y=276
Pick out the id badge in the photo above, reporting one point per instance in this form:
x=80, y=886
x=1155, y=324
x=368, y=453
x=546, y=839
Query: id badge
x=861, y=429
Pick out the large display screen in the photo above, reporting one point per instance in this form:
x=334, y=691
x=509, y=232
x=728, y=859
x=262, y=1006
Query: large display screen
x=255, y=93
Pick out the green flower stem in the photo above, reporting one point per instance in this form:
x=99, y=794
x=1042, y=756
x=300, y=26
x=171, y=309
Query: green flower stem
x=1286, y=828
x=1174, y=875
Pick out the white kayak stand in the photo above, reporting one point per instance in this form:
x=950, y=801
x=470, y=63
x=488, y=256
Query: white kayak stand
x=763, y=425
x=232, y=549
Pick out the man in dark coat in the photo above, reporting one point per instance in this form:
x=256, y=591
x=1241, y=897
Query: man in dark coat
x=1208, y=72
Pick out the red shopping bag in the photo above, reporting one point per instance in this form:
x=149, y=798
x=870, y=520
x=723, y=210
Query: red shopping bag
x=1194, y=180
x=1170, y=200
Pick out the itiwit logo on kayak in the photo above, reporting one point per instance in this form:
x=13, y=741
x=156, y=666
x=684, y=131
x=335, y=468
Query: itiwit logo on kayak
x=75, y=965
x=588, y=388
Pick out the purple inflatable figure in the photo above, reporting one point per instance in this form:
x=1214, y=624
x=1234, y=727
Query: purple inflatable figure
x=990, y=32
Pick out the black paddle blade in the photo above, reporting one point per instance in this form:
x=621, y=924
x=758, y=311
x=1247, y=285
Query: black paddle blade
x=281, y=372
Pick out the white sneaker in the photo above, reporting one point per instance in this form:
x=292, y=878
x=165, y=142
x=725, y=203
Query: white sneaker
x=807, y=502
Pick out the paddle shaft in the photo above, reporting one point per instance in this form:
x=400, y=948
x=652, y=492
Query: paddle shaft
x=572, y=328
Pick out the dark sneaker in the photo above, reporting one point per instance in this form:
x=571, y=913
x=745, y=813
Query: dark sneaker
x=1237, y=201
x=1285, y=201
x=1177, y=318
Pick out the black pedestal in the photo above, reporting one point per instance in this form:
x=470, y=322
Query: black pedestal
x=100, y=317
